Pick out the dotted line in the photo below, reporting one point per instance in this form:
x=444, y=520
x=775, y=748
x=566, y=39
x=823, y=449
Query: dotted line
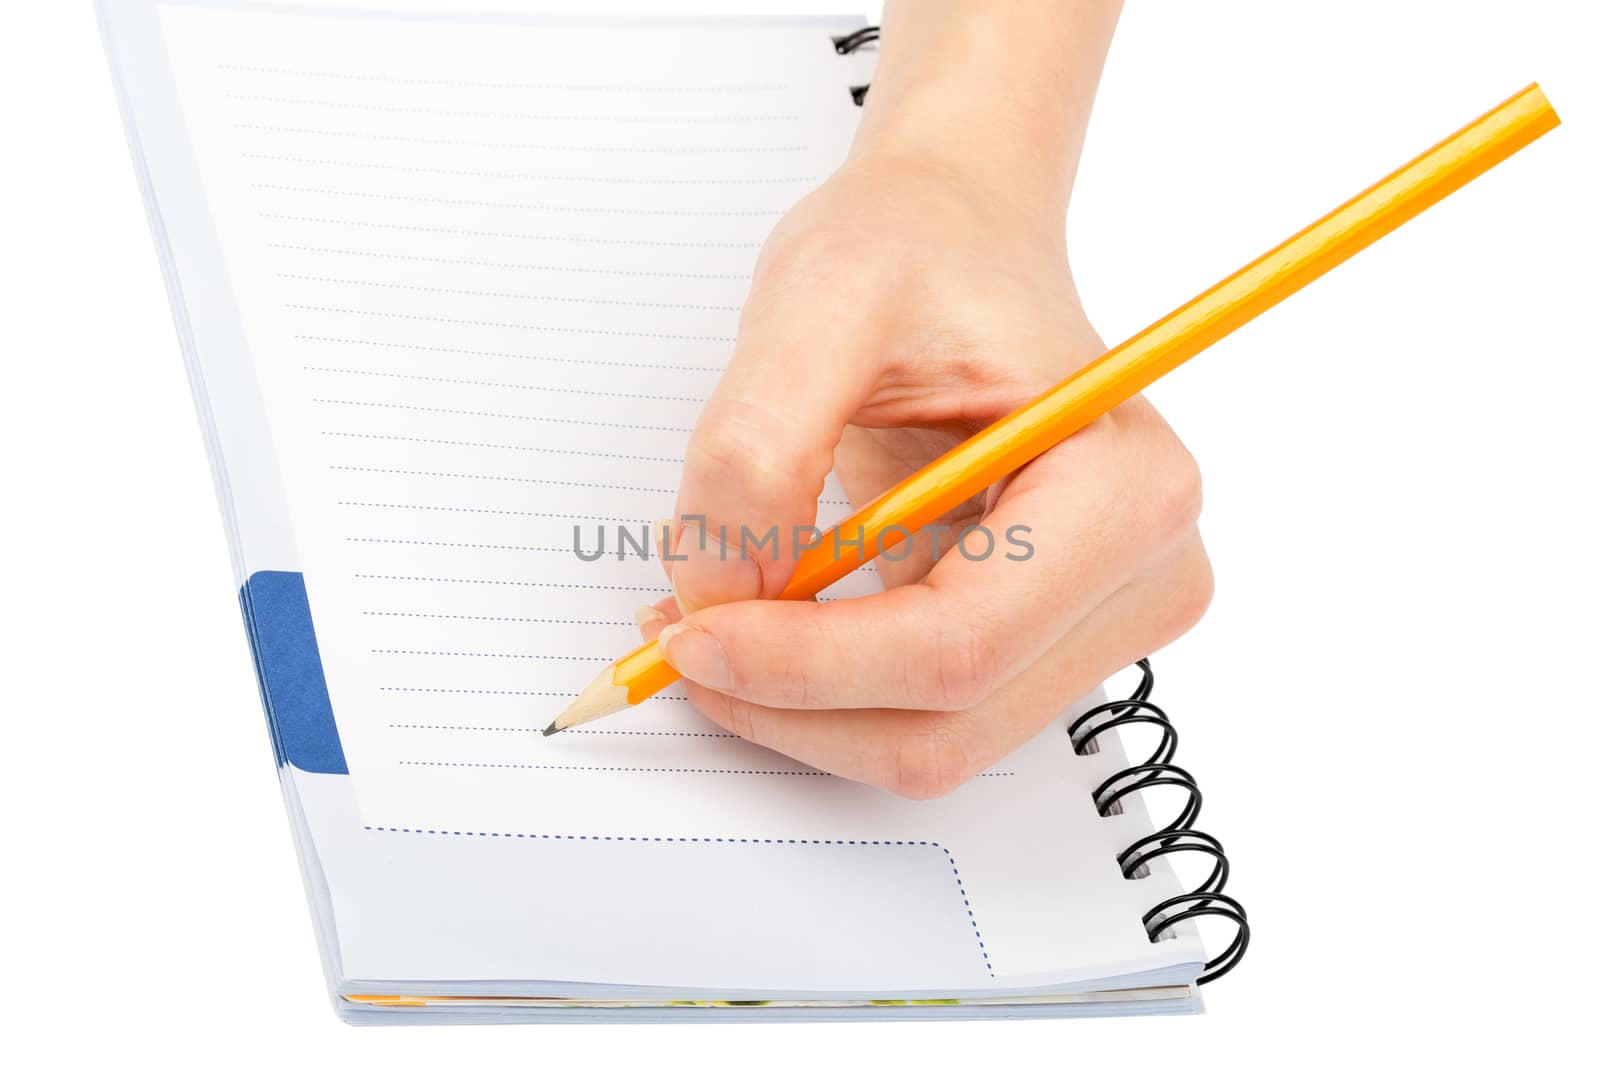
x=518, y=478
x=537, y=176
x=507, y=295
x=506, y=355
x=516, y=145
x=646, y=733
x=498, y=415
x=488, y=654
x=966, y=903
x=542, y=207
x=506, y=385
x=490, y=545
x=539, y=236
x=509, y=583
x=416, y=110
x=466, y=545
x=479, y=691
x=954, y=869
x=636, y=770
x=498, y=445
x=500, y=478
x=403, y=81
x=540, y=729
x=605, y=271
x=510, y=691
x=586, y=732
x=509, y=325
x=492, y=512
x=479, y=617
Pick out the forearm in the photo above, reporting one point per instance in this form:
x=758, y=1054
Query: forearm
x=997, y=94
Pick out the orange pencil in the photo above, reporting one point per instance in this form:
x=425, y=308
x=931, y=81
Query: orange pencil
x=1120, y=373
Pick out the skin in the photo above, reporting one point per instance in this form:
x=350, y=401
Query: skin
x=920, y=293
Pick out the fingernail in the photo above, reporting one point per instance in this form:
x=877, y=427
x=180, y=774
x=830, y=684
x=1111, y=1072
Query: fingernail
x=645, y=616
x=696, y=654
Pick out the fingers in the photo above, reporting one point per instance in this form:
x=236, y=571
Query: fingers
x=652, y=619
x=920, y=753
x=989, y=608
x=764, y=444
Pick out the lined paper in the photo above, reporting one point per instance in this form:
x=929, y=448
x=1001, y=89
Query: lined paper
x=489, y=272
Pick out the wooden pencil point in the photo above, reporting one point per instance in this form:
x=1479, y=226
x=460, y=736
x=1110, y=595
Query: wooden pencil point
x=603, y=696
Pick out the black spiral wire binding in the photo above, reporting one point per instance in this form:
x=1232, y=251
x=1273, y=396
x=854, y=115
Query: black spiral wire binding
x=845, y=44
x=1178, y=836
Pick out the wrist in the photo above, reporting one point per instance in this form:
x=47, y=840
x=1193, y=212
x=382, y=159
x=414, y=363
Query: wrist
x=995, y=97
x=1000, y=162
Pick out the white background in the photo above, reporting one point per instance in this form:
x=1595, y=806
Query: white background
x=1390, y=704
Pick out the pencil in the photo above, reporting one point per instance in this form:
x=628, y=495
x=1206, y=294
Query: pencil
x=1119, y=374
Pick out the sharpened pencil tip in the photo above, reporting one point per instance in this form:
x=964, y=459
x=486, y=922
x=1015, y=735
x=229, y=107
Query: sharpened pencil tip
x=596, y=701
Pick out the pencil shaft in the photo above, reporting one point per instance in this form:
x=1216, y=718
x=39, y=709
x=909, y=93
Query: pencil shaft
x=1132, y=366
x=1129, y=368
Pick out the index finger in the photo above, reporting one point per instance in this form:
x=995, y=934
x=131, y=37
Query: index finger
x=764, y=445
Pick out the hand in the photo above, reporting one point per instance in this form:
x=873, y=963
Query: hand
x=894, y=312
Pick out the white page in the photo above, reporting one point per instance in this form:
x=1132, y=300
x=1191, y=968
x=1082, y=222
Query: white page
x=488, y=270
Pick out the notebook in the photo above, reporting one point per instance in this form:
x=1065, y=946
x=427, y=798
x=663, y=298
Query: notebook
x=451, y=290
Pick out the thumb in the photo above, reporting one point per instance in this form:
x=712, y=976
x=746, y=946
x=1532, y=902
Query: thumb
x=761, y=450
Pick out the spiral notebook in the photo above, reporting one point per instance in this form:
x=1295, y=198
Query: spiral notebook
x=451, y=290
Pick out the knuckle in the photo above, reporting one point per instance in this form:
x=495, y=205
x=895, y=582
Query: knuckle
x=929, y=763
x=966, y=665
x=805, y=260
x=732, y=714
x=1177, y=495
x=717, y=445
x=732, y=444
x=800, y=681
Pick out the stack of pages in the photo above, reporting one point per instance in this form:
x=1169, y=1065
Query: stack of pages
x=450, y=288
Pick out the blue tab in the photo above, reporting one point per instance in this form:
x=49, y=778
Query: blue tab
x=294, y=692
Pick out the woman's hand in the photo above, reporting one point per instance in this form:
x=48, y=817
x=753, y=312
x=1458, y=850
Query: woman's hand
x=901, y=307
